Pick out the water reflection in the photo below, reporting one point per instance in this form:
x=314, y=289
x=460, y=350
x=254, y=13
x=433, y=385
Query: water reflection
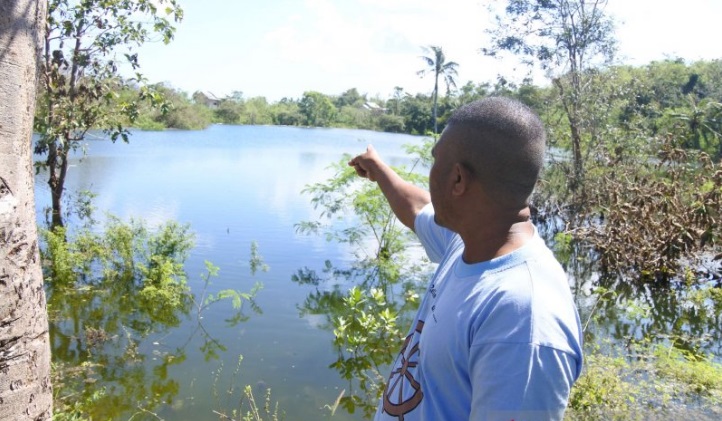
x=110, y=294
x=687, y=317
x=617, y=312
x=364, y=348
x=96, y=331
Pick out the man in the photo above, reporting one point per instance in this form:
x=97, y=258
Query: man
x=497, y=335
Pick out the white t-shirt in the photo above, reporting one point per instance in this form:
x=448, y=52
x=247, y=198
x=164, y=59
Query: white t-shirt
x=496, y=340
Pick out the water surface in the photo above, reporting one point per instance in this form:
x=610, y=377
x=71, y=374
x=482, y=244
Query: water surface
x=234, y=185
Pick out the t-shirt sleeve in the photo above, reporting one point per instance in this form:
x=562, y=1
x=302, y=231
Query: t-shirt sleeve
x=513, y=381
x=432, y=236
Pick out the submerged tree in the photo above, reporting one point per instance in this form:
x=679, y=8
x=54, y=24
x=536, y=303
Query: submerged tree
x=113, y=290
x=368, y=319
x=86, y=44
x=437, y=64
x=25, y=390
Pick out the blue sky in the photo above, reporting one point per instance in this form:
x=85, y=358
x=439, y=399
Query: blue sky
x=277, y=48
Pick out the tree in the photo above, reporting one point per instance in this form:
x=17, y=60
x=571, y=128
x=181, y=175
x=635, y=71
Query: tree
x=25, y=390
x=415, y=111
x=81, y=71
x=394, y=102
x=437, y=64
x=317, y=108
x=179, y=111
x=566, y=38
x=229, y=111
x=286, y=113
x=256, y=111
x=703, y=121
x=351, y=97
x=471, y=92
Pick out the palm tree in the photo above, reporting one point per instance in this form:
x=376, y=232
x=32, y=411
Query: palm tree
x=703, y=118
x=436, y=63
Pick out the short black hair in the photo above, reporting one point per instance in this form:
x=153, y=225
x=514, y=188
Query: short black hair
x=503, y=144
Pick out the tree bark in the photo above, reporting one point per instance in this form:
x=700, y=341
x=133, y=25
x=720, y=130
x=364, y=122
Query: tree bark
x=436, y=96
x=25, y=390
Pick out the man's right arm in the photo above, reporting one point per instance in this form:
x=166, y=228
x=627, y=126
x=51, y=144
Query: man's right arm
x=405, y=199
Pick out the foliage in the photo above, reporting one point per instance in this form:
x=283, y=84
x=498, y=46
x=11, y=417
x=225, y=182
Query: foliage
x=229, y=111
x=181, y=113
x=256, y=111
x=352, y=117
x=364, y=333
x=108, y=291
x=66, y=409
x=677, y=99
x=391, y=123
x=286, y=113
x=470, y=92
x=142, y=267
x=702, y=125
x=655, y=382
x=237, y=298
x=602, y=388
x=345, y=193
x=246, y=409
x=648, y=208
x=554, y=34
x=317, y=109
x=80, y=75
x=658, y=219
x=697, y=376
x=383, y=280
x=350, y=98
x=128, y=253
x=417, y=113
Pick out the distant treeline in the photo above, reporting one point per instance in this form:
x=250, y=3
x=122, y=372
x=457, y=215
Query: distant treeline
x=655, y=95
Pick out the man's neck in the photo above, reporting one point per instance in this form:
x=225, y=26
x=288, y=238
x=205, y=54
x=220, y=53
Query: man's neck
x=496, y=239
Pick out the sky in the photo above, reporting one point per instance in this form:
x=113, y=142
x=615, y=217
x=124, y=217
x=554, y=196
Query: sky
x=282, y=48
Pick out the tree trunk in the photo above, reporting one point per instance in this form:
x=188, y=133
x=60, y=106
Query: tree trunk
x=576, y=148
x=25, y=390
x=436, y=96
x=571, y=111
x=57, y=168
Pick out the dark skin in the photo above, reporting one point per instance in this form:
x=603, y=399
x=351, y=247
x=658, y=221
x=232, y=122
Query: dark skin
x=488, y=227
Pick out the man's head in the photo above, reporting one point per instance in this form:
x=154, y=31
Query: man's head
x=499, y=143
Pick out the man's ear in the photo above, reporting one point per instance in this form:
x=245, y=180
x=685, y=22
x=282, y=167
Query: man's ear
x=462, y=178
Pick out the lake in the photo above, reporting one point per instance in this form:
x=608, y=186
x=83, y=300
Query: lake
x=242, y=185
x=234, y=185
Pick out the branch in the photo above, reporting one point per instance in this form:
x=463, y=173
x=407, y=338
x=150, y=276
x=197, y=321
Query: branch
x=223, y=416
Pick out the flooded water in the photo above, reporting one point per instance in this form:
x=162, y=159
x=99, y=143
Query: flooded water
x=234, y=185
x=239, y=185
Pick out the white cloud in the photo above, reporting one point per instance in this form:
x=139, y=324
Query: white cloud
x=282, y=48
x=653, y=30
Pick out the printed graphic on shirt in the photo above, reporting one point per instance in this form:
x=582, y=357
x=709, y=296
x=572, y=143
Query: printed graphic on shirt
x=403, y=392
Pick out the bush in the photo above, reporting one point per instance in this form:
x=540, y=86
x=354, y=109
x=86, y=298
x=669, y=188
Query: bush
x=391, y=123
